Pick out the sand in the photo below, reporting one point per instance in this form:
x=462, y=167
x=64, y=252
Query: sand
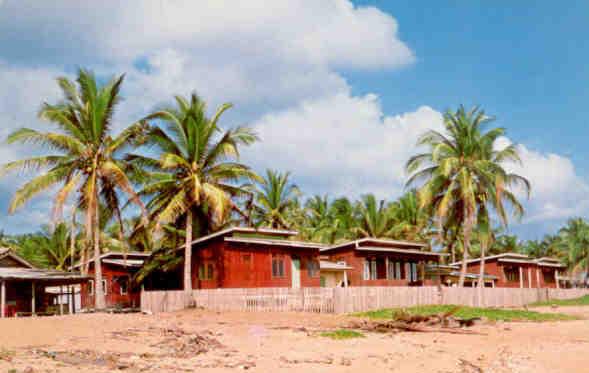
x=197, y=340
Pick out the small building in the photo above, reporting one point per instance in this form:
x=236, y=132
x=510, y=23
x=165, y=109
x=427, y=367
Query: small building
x=383, y=262
x=333, y=274
x=242, y=257
x=118, y=269
x=514, y=270
x=23, y=287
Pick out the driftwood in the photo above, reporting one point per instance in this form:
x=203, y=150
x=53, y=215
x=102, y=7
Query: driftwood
x=403, y=321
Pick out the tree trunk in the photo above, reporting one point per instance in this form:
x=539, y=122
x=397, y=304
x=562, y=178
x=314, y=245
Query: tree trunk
x=466, y=248
x=99, y=301
x=188, y=253
x=481, y=284
x=73, y=239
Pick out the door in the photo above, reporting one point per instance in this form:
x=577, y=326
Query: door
x=295, y=273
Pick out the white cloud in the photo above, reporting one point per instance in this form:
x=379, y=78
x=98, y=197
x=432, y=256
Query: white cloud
x=308, y=32
x=342, y=144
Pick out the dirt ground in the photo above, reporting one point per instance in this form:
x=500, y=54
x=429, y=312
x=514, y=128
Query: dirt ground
x=196, y=340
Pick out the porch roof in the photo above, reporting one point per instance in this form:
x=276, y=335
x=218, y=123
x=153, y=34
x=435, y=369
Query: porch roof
x=379, y=241
x=124, y=263
x=41, y=275
x=326, y=265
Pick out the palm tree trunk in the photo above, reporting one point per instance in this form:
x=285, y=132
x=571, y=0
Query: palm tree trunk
x=466, y=248
x=73, y=239
x=481, y=283
x=99, y=301
x=188, y=253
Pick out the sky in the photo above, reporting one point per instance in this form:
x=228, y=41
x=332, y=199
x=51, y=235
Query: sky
x=338, y=91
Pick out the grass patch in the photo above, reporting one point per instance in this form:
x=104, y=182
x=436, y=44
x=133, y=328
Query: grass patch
x=582, y=301
x=342, y=334
x=496, y=314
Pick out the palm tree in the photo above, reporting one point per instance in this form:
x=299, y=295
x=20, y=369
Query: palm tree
x=411, y=221
x=274, y=195
x=193, y=179
x=575, y=239
x=87, y=156
x=374, y=218
x=463, y=166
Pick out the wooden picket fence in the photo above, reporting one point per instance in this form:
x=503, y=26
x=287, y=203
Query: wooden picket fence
x=344, y=300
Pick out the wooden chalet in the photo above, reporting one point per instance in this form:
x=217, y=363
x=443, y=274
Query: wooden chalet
x=514, y=270
x=242, y=257
x=118, y=269
x=383, y=262
x=22, y=286
x=333, y=274
x=449, y=275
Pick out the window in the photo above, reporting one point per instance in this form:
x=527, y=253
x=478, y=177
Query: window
x=123, y=283
x=91, y=287
x=412, y=271
x=312, y=268
x=370, y=269
x=104, y=287
x=394, y=271
x=206, y=271
x=277, y=266
x=512, y=274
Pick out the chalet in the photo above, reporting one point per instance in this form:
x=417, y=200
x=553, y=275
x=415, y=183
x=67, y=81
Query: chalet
x=515, y=270
x=118, y=269
x=381, y=262
x=22, y=286
x=242, y=257
x=449, y=275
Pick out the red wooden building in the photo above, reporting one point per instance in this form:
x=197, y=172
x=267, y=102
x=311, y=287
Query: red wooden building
x=515, y=270
x=380, y=262
x=117, y=271
x=248, y=258
x=22, y=286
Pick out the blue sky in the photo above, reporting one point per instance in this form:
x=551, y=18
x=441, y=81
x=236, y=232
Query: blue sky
x=338, y=91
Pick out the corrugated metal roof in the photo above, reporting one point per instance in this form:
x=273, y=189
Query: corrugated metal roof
x=334, y=266
x=43, y=275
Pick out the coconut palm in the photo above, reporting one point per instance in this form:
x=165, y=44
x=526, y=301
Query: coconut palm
x=274, y=195
x=374, y=218
x=86, y=157
x=461, y=166
x=193, y=177
x=575, y=240
x=411, y=221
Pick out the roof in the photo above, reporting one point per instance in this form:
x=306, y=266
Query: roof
x=41, y=275
x=124, y=263
x=390, y=243
x=520, y=258
x=326, y=265
x=274, y=242
x=397, y=250
x=473, y=275
x=492, y=257
x=129, y=255
x=264, y=231
x=7, y=252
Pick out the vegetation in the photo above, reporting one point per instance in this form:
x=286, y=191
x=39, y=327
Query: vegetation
x=175, y=175
x=342, y=334
x=495, y=314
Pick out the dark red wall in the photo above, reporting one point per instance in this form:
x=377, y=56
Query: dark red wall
x=231, y=270
x=356, y=260
x=496, y=268
x=113, y=296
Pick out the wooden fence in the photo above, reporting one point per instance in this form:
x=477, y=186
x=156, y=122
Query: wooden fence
x=345, y=300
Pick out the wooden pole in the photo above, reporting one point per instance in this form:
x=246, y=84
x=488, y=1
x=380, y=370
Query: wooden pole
x=345, y=279
x=556, y=279
x=530, y=277
x=521, y=277
x=33, y=298
x=70, y=296
x=538, y=278
x=60, y=299
x=3, y=299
